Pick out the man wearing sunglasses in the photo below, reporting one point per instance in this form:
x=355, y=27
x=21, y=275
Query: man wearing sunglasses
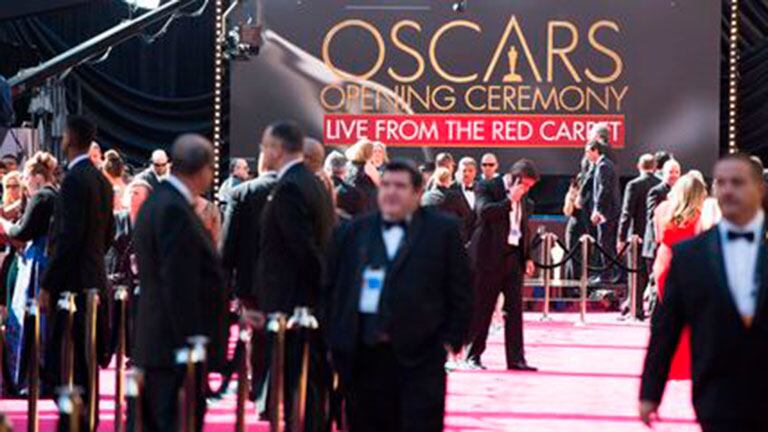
x=489, y=165
x=157, y=170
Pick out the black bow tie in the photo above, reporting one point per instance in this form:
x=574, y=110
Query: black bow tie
x=735, y=235
x=391, y=224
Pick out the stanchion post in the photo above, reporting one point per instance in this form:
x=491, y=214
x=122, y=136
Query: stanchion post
x=67, y=304
x=243, y=378
x=634, y=242
x=277, y=325
x=302, y=322
x=133, y=391
x=70, y=403
x=92, y=308
x=33, y=367
x=584, y=281
x=547, y=272
x=121, y=300
x=196, y=358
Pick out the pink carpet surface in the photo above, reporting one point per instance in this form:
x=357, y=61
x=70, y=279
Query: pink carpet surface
x=588, y=381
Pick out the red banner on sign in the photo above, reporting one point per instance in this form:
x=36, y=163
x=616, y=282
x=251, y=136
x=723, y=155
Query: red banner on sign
x=470, y=130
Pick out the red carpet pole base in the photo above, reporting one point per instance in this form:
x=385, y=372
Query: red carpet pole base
x=588, y=381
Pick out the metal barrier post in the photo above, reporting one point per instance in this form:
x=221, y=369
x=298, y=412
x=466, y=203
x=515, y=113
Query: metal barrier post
x=276, y=325
x=304, y=322
x=133, y=391
x=243, y=378
x=2, y=355
x=121, y=298
x=67, y=304
x=547, y=272
x=194, y=380
x=33, y=367
x=584, y=281
x=634, y=242
x=70, y=403
x=92, y=307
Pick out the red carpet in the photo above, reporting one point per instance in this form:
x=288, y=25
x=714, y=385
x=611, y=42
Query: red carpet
x=588, y=381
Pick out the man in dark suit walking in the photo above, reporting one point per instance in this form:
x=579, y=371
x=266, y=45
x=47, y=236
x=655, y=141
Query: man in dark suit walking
x=656, y=195
x=183, y=292
x=398, y=300
x=466, y=187
x=82, y=233
x=633, y=218
x=295, y=232
x=240, y=245
x=606, y=204
x=500, y=253
x=724, y=302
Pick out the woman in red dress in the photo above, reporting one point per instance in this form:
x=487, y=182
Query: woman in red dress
x=677, y=219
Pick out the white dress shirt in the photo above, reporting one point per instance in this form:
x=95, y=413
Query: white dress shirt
x=181, y=187
x=77, y=160
x=740, y=258
x=469, y=195
x=288, y=166
x=393, y=237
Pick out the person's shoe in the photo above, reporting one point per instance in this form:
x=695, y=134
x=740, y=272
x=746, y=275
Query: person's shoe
x=475, y=365
x=522, y=366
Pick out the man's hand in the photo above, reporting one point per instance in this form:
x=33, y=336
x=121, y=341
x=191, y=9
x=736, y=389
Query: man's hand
x=597, y=218
x=619, y=246
x=649, y=411
x=530, y=268
x=44, y=301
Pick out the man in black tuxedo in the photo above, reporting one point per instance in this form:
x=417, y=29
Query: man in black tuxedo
x=500, y=253
x=606, y=204
x=82, y=233
x=466, y=187
x=718, y=287
x=295, y=232
x=447, y=199
x=240, y=251
x=183, y=291
x=633, y=218
x=157, y=170
x=656, y=195
x=349, y=200
x=398, y=300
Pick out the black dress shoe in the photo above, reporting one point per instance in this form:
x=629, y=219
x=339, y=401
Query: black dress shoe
x=522, y=366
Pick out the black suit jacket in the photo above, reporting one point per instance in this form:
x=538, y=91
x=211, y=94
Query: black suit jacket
x=149, y=176
x=82, y=232
x=606, y=184
x=469, y=217
x=295, y=231
x=349, y=199
x=489, y=240
x=37, y=217
x=240, y=241
x=183, y=292
x=451, y=202
x=426, y=299
x=656, y=195
x=362, y=182
x=729, y=360
x=634, y=215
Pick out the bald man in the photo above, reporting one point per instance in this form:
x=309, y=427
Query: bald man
x=314, y=158
x=182, y=285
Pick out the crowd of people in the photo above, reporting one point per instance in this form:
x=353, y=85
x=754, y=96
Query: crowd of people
x=401, y=265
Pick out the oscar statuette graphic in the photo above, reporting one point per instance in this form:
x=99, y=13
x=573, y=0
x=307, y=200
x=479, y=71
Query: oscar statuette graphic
x=512, y=76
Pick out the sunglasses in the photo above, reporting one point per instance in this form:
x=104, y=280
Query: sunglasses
x=159, y=165
x=488, y=164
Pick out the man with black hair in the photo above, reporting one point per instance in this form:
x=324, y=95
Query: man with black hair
x=295, y=231
x=500, y=252
x=183, y=292
x=81, y=235
x=398, y=301
x=606, y=208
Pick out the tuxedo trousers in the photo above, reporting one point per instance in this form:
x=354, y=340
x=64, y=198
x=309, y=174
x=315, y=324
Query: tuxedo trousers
x=160, y=400
x=489, y=283
x=388, y=396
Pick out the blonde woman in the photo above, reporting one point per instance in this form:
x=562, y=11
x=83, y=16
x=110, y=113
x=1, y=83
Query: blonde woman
x=379, y=157
x=362, y=175
x=677, y=219
x=12, y=196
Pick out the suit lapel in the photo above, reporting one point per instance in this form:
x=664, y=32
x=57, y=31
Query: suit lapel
x=762, y=274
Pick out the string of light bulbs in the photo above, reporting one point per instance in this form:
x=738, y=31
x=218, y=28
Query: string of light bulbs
x=733, y=76
x=217, y=92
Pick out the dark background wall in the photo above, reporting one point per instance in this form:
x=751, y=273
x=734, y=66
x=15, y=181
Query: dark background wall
x=144, y=95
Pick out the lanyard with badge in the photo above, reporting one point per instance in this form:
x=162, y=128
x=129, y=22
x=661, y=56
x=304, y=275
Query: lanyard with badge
x=373, y=284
